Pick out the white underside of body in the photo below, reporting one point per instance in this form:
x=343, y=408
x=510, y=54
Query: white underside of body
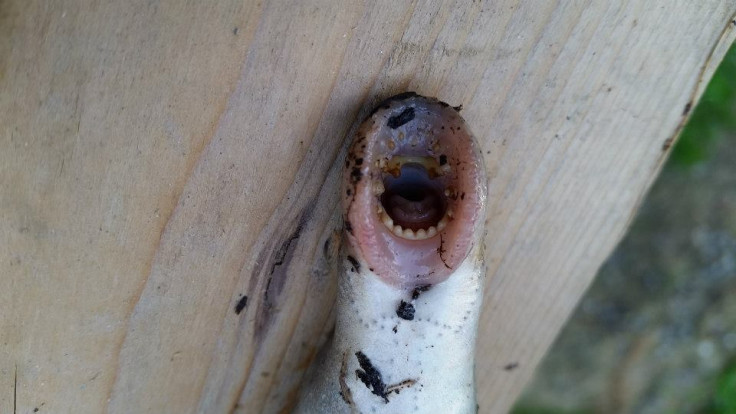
x=429, y=359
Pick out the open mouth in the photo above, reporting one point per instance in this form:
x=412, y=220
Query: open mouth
x=414, y=197
x=414, y=188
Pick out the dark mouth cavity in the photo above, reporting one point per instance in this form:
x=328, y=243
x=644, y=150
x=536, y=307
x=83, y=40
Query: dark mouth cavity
x=412, y=199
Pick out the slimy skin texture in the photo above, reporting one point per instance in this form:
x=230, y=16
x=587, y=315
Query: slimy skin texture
x=408, y=302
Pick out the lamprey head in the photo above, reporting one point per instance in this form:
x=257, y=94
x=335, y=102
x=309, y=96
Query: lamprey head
x=413, y=189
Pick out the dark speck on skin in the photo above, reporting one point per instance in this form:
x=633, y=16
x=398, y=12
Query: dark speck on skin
x=356, y=175
x=354, y=262
x=370, y=376
x=419, y=290
x=404, y=117
x=405, y=311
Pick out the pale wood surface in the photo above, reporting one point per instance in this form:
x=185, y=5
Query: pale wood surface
x=161, y=159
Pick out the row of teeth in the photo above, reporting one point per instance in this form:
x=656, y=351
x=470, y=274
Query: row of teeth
x=394, y=164
x=410, y=234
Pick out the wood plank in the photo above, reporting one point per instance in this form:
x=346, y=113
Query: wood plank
x=163, y=160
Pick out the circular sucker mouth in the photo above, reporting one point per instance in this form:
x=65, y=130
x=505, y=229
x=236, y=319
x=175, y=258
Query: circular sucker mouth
x=414, y=191
x=413, y=203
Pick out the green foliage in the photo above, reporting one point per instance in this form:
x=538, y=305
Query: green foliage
x=723, y=400
x=726, y=392
x=713, y=116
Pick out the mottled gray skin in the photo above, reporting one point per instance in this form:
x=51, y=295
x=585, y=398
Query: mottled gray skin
x=436, y=349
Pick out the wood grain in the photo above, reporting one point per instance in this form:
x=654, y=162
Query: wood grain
x=163, y=160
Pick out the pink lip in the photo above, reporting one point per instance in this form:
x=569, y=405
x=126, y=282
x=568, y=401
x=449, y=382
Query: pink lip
x=409, y=125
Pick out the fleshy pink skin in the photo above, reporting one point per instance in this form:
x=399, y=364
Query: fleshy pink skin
x=436, y=131
x=409, y=299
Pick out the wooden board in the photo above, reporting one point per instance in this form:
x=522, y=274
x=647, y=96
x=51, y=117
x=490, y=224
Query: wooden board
x=161, y=161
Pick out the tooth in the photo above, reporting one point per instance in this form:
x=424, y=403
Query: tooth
x=398, y=230
x=387, y=221
x=421, y=234
x=431, y=231
x=409, y=234
x=450, y=213
x=441, y=225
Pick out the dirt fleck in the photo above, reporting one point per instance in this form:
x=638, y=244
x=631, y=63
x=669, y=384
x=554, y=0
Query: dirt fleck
x=406, y=116
x=242, y=303
x=668, y=143
x=405, y=311
x=511, y=366
x=356, y=175
x=400, y=386
x=419, y=290
x=370, y=376
x=354, y=262
x=688, y=107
